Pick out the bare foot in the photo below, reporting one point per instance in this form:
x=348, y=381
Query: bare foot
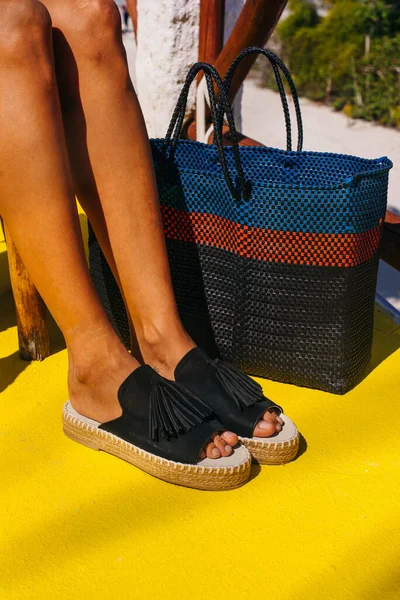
x=164, y=352
x=93, y=388
x=270, y=424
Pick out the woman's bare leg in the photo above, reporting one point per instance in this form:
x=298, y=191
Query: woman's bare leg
x=113, y=174
x=115, y=167
x=38, y=205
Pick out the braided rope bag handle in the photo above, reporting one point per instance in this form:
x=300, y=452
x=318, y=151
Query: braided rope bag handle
x=276, y=64
x=175, y=126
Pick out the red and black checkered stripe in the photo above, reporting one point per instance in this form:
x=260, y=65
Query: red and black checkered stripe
x=293, y=247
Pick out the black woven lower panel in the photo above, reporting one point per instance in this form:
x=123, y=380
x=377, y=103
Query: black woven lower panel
x=310, y=326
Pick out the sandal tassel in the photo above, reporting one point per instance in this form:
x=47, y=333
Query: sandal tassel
x=174, y=410
x=244, y=390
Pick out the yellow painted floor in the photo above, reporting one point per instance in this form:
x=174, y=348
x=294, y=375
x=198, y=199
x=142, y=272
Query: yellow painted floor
x=78, y=524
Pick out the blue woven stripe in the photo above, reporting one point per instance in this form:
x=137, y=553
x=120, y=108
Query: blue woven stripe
x=291, y=191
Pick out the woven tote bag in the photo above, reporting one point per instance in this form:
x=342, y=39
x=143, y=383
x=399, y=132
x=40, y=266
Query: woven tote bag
x=273, y=253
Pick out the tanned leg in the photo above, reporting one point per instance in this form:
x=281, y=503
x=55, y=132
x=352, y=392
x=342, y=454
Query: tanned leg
x=114, y=179
x=113, y=169
x=37, y=203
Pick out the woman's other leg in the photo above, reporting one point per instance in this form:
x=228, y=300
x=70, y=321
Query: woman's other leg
x=113, y=171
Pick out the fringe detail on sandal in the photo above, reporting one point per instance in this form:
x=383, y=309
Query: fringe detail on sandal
x=244, y=390
x=174, y=410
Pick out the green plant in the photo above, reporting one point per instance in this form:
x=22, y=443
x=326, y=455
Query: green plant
x=349, y=58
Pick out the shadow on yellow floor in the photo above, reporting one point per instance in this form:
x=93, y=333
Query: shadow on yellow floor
x=79, y=524
x=386, y=339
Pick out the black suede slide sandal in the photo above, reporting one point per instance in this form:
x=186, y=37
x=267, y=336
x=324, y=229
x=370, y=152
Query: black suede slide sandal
x=239, y=403
x=162, y=430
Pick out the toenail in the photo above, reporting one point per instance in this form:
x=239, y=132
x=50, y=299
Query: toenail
x=227, y=448
x=264, y=425
x=215, y=452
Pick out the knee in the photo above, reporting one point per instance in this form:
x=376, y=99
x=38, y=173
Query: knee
x=100, y=18
x=25, y=28
x=90, y=26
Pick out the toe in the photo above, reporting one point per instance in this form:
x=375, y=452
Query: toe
x=265, y=428
x=230, y=438
x=270, y=415
x=216, y=447
x=222, y=446
x=212, y=450
x=279, y=422
x=209, y=451
x=269, y=424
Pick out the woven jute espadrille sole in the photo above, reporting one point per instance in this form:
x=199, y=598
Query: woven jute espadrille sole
x=279, y=449
x=231, y=472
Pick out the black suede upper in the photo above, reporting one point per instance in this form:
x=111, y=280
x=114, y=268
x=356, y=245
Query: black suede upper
x=202, y=376
x=162, y=418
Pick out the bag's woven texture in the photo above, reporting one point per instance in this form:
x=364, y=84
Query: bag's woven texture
x=282, y=284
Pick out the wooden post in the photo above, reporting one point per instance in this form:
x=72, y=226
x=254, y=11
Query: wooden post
x=33, y=337
x=254, y=26
x=211, y=35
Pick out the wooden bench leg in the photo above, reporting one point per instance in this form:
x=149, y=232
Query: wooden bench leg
x=33, y=336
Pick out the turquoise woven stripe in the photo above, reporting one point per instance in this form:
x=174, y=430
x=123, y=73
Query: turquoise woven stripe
x=300, y=192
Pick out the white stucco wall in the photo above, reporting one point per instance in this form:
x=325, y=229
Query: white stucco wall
x=168, y=41
x=167, y=45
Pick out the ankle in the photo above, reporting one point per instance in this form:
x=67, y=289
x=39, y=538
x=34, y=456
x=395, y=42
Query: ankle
x=162, y=348
x=94, y=380
x=91, y=348
x=87, y=367
x=92, y=354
